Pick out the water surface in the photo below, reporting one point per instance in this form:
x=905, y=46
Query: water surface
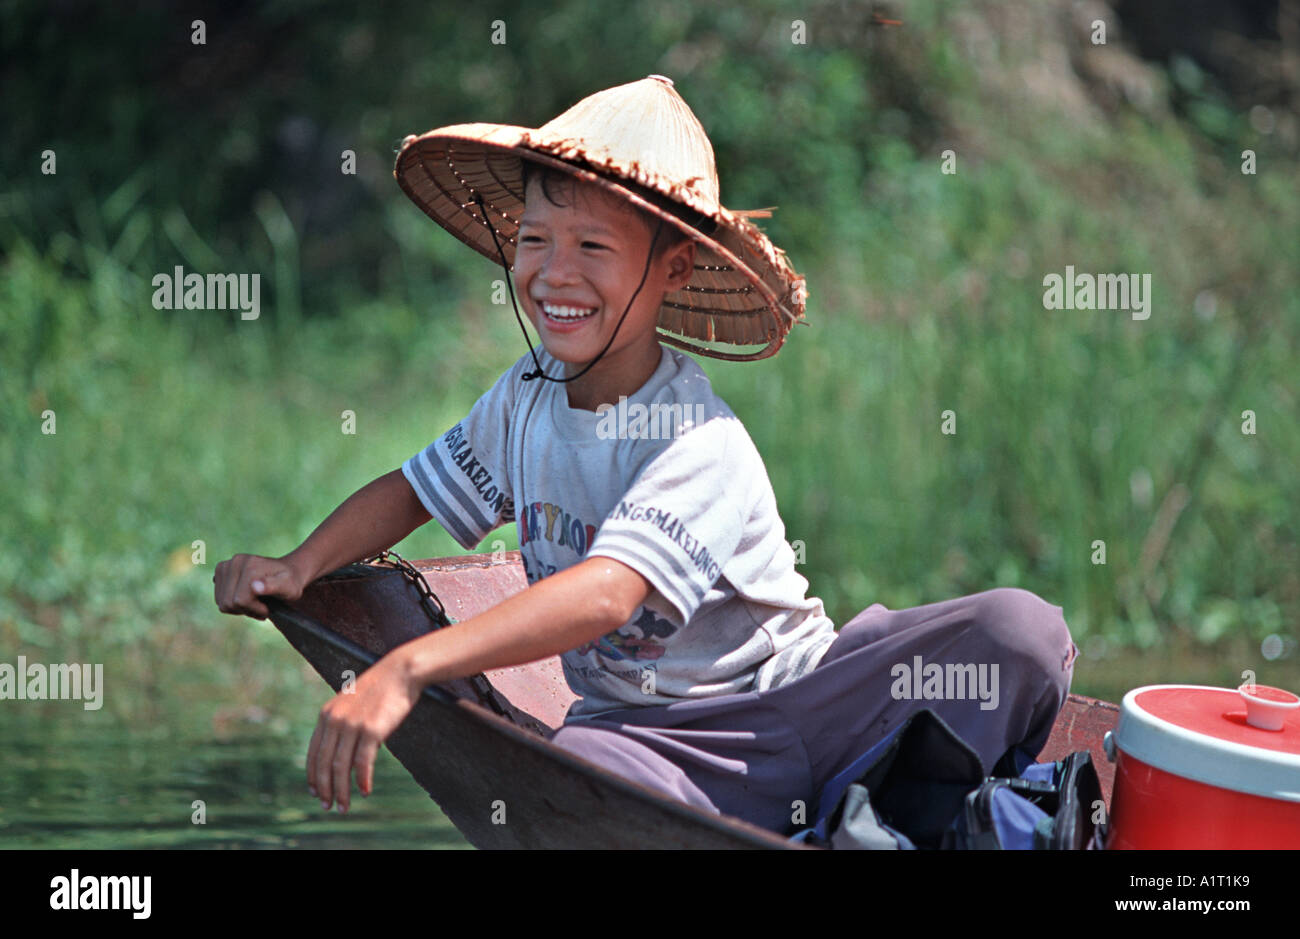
x=91, y=784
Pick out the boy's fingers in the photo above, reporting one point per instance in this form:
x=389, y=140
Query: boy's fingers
x=239, y=584
x=312, y=750
x=270, y=577
x=239, y=592
x=324, y=764
x=224, y=577
x=256, y=589
x=275, y=583
x=252, y=584
x=342, y=765
x=228, y=594
x=365, y=763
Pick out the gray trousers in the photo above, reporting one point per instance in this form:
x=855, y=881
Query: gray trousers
x=753, y=755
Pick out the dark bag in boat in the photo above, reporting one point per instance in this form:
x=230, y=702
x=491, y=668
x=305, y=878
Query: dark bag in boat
x=1049, y=806
x=923, y=787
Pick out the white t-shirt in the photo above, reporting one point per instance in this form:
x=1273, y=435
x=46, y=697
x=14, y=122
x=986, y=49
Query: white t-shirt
x=667, y=482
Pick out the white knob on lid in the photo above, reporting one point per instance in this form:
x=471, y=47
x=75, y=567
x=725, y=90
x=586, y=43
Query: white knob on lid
x=663, y=78
x=1267, y=708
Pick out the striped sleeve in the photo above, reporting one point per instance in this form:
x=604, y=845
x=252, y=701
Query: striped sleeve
x=679, y=523
x=462, y=477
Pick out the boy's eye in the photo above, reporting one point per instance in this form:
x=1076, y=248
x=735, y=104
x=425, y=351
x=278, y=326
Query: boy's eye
x=587, y=245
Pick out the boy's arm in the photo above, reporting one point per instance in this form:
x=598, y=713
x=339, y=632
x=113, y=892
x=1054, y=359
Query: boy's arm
x=375, y=517
x=372, y=519
x=558, y=613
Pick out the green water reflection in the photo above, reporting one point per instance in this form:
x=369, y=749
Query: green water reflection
x=107, y=787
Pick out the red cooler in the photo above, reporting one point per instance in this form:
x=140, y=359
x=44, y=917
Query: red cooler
x=1199, y=767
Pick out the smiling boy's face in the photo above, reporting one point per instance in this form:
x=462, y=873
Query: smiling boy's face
x=579, y=263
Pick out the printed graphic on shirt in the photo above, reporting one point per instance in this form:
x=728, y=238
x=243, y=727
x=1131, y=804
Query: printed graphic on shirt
x=462, y=455
x=618, y=646
x=553, y=523
x=455, y=485
x=549, y=526
x=675, y=531
x=541, y=522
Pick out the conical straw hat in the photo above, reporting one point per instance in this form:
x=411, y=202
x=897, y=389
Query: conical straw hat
x=744, y=297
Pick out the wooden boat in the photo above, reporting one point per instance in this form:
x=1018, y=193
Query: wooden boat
x=481, y=749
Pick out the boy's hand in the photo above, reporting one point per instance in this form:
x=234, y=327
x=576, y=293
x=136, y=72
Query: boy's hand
x=353, y=724
x=245, y=577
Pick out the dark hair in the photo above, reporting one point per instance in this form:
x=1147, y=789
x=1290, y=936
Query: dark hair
x=554, y=180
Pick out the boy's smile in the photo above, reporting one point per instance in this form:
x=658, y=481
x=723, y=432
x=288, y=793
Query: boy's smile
x=563, y=316
x=577, y=265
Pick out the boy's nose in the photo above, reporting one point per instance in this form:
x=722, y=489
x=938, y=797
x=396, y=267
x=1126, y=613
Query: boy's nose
x=558, y=268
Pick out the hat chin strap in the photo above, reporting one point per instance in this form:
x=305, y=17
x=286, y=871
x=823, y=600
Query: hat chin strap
x=538, y=373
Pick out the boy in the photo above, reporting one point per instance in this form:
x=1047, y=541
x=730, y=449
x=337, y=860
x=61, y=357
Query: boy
x=657, y=563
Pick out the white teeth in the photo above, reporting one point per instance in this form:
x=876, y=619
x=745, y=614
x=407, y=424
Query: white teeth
x=567, y=312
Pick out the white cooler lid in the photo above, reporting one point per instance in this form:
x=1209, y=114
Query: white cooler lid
x=1208, y=735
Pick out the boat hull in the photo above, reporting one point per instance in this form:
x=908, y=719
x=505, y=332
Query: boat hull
x=500, y=782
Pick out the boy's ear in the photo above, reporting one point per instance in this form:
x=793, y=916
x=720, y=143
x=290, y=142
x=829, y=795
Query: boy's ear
x=681, y=264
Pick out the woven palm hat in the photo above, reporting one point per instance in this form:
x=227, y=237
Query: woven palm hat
x=744, y=297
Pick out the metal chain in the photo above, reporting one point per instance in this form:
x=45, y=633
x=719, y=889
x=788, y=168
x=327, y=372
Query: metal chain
x=428, y=599
x=438, y=616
